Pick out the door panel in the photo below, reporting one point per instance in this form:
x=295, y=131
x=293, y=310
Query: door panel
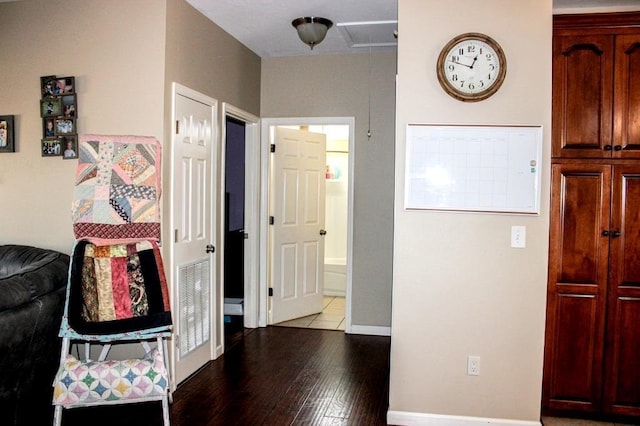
x=582, y=96
x=297, y=248
x=194, y=268
x=622, y=392
x=576, y=296
x=627, y=100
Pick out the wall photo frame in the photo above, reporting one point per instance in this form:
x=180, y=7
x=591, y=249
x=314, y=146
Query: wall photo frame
x=64, y=126
x=7, y=140
x=50, y=107
x=69, y=147
x=69, y=106
x=51, y=147
x=57, y=86
x=59, y=110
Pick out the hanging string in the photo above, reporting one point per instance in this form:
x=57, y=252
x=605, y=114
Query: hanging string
x=369, y=89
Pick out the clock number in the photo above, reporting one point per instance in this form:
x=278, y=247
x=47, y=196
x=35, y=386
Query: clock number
x=481, y=83
x=451, y=67
x=489, y=56
x=492, y=67
x=462, y=83
x=461, y=51
x=454, y=77
x=455, y=58
x=471, y=49
x=472, y=86
x=489, y=76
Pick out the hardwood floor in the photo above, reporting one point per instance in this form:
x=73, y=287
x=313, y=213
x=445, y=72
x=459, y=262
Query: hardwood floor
x=274, y=376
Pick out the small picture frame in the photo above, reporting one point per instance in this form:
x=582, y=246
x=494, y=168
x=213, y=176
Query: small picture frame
x=69, y=106
x=47, y=85
x=69, y=147
x=51, y=147
x=64, y=86
x=51, y=107
x=48, y=127
x=64, y=126
x=7, y=143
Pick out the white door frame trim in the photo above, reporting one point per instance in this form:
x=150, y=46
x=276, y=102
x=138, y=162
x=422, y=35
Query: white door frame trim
x=252, y=217
x=266, y=123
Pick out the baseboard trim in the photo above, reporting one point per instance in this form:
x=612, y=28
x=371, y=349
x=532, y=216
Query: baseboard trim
x=404, y=418
x=369, y=330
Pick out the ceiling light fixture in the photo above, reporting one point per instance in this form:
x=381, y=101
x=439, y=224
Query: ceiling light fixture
x=312, y=30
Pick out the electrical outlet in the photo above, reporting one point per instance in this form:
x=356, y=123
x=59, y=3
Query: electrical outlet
x=473, y=365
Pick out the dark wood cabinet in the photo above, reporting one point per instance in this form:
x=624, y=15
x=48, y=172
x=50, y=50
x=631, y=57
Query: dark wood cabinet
x=592, y=340
x=593, y=299
x=596, y=101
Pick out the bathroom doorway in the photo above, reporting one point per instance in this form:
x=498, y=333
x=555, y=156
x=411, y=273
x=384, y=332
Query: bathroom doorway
x=338, y=221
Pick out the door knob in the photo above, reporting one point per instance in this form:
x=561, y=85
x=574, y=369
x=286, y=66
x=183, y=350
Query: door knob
x=323, y=232
x=210, y=248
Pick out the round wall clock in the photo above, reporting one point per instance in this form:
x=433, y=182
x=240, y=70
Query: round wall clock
x=471, y=67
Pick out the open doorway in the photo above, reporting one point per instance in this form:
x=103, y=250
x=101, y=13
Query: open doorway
x=234, y=233
x=338, y=203
x=240, y=194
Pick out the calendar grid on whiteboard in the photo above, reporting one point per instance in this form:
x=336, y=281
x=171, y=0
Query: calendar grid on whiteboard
x=473, y=168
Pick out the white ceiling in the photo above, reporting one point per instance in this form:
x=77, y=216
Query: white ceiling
x=264, y=26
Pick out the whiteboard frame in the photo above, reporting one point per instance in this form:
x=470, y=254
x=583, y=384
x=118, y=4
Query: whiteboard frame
x=534, y=190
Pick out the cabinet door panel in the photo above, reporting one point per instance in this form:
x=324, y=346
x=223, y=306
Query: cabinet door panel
x=582, y=96
x=627, y=99
x=622, y=388
x=576, y=296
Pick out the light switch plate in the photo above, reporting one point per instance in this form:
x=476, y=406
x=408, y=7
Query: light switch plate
x=518, y=236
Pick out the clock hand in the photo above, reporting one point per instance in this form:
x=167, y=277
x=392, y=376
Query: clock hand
x=464, y=65
x=474, y=62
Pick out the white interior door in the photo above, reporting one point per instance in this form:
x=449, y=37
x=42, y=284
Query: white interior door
x=193, y=217
x=298, y=209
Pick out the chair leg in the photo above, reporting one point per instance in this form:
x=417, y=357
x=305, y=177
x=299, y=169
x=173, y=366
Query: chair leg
x=57, y=415
x=165, y=411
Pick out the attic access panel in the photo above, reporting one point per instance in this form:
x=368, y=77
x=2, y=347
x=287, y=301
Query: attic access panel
x=369, y=33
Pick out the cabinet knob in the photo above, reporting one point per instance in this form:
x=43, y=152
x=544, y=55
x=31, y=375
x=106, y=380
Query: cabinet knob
x=605, y=233
x=615, y=234
x=608, y=147
x=617, y=148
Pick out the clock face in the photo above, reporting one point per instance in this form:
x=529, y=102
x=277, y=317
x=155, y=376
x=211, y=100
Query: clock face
x=471, y=67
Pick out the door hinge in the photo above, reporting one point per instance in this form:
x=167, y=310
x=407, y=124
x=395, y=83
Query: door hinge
x=270, y=291
x=177, y=127
x=273, y=147
x=175, y=235
x=272, y=220
x=245, y=235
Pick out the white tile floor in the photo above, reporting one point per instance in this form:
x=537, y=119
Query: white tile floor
x=331, y=317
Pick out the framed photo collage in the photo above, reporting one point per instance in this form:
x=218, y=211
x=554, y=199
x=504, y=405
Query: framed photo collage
x=59, y=110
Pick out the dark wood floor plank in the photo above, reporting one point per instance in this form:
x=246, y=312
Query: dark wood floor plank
x=273, y=376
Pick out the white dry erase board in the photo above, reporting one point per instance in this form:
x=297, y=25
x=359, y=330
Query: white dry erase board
x=492, y=169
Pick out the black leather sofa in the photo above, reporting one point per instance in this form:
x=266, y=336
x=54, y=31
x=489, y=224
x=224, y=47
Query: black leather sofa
x=32, y=292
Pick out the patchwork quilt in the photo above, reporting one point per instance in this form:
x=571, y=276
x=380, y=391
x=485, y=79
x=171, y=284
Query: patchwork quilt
x=117, y=190
x=117, y=288
x=80, y=383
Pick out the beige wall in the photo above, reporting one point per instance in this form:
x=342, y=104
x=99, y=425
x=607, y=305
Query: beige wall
x=459, y=289
x=117, y=57
x=202, y=57
x=339, y=86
